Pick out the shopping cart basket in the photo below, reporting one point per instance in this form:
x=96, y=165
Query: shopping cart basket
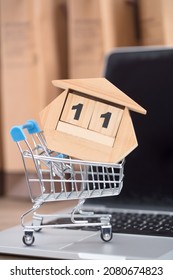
x=57, y=177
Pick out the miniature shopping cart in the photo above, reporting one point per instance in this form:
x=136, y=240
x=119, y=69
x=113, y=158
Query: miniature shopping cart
x=58, y=177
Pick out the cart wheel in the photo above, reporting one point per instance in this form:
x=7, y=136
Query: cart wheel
x=28, y=239
x=37, y=229
x=106, y=233
x=106, y=237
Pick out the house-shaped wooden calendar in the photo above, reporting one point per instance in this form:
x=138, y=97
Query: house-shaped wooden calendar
x=90, y=120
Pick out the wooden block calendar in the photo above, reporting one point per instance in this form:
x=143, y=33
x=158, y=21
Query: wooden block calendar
x=90, y=120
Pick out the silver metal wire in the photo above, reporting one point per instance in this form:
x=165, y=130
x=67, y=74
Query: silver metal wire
x=56, y=177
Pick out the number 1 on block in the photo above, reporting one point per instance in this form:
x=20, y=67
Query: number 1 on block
x=106, y=119
x=78, y=110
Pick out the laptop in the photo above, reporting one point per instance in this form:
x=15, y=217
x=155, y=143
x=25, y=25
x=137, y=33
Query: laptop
x=142, y=215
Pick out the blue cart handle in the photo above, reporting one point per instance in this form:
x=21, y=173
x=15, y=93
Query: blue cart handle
x=17, y=133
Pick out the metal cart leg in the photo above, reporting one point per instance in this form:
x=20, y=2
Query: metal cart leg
x=37, y=222
x=28, y=237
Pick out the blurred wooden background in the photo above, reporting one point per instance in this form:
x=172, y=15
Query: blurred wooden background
x=45, y=40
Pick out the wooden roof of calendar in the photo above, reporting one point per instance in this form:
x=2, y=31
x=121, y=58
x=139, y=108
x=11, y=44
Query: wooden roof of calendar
x=100, y=88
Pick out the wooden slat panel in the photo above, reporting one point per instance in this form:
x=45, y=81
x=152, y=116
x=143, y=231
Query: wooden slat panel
x=86, y=134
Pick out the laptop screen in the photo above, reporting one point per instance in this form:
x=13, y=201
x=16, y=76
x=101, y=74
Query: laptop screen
x=147, y=77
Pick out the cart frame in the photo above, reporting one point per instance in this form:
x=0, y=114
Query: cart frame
x=56, y=177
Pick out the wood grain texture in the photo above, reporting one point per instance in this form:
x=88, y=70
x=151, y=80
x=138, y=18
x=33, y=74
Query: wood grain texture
x=105, y=119
x=100, y=88
x=85, y=149
x=90, y=120
x=125, y=141
x=69, y=111
x=50, y=115
x=85, y=134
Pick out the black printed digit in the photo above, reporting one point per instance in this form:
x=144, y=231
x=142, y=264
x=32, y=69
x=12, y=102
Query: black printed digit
x=106, y=117
x=78, y=109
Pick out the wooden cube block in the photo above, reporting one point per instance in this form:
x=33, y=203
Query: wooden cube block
x=106, y=119
x=78, y=110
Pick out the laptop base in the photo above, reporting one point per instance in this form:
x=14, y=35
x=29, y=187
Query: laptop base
x=80, y=244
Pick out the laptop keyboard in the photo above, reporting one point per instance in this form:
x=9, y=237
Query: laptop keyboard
x=131, y=223
x=136, y=223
